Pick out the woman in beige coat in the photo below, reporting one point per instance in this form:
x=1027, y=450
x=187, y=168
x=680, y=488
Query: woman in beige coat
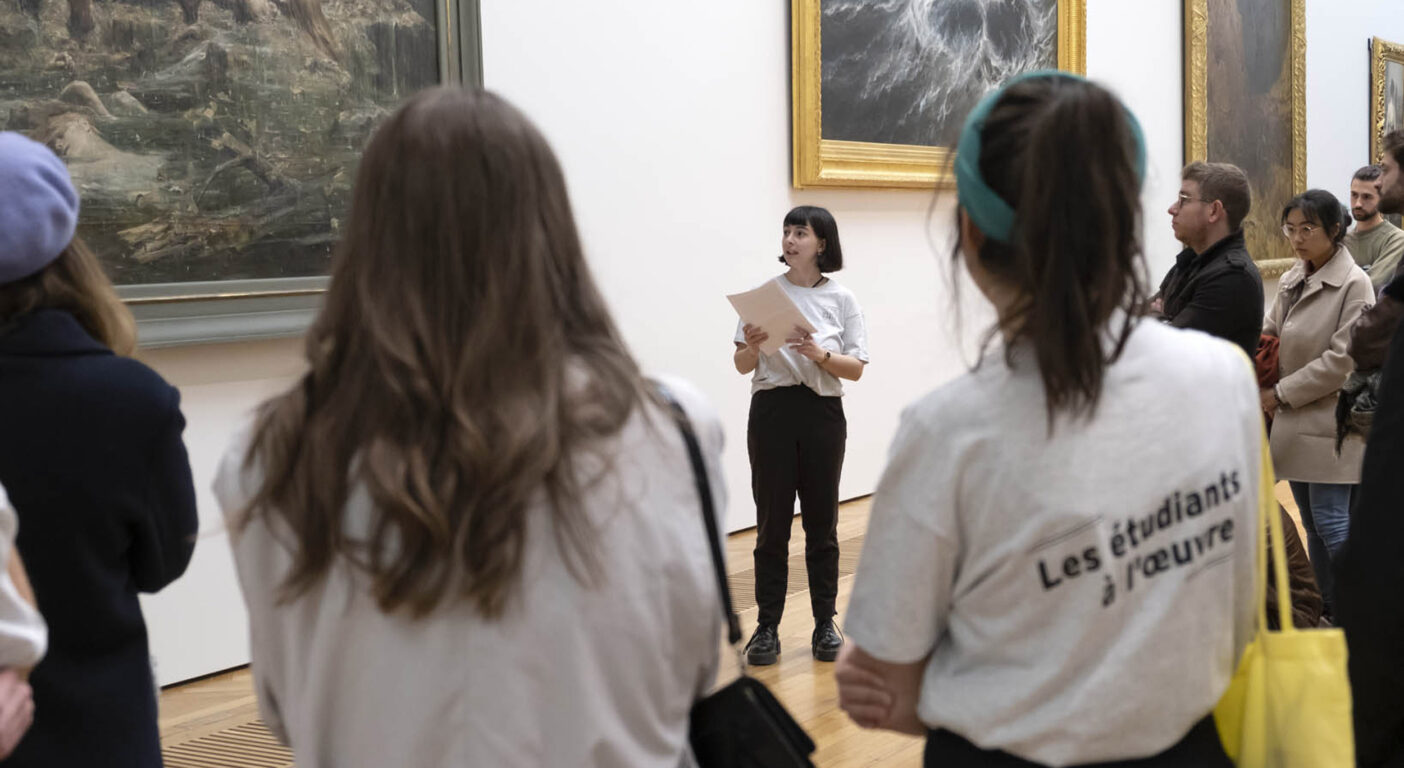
x=1318, y=300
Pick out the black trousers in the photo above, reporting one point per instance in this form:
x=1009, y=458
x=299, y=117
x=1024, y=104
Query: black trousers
x=1200, y=748
x=796, y=440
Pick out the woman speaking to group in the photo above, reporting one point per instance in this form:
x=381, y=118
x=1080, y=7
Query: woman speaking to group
x=796, y=432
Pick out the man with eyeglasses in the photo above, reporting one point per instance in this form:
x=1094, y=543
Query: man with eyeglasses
x=1214, y=286
x=1376, y=244
x=1370, y=573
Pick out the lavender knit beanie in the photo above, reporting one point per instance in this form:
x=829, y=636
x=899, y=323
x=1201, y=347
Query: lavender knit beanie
x=38, y=207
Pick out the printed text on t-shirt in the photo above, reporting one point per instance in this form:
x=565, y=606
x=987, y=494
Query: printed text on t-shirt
x=1139, y=550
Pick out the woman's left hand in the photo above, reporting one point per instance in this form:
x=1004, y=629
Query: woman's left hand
x=803, y=342
x=1269, y=402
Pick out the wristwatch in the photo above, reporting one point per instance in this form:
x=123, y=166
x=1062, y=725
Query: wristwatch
x=827, y=355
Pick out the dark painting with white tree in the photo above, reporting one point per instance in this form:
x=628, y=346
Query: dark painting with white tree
x=908, y=71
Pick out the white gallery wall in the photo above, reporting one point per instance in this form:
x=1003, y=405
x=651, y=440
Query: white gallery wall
x=1338, y=85
x=197, y=625
x=672, y=123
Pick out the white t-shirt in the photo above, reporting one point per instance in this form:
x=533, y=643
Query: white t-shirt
x=1082, y=597
x=24, y=637
x=834, y=311
x=570, y=676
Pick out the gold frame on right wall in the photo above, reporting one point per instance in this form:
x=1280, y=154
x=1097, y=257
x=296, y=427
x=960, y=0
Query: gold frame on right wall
x=1382, y=53
x=1196, y=97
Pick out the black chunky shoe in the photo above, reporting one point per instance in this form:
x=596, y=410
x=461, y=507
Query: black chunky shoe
x=826, y=640
x=764, y=647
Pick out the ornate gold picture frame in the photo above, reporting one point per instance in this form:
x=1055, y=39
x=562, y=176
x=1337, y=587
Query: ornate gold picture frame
x=828, y=162
x=1252, y=111
x=1386, y=93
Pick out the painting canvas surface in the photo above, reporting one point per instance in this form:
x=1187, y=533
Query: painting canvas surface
x=1250, y=109
x=1393, y=110
x=1394, y=95
x=908, y=71
x=211, y=140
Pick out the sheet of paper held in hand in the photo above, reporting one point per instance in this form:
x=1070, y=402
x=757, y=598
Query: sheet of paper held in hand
x=774, y=311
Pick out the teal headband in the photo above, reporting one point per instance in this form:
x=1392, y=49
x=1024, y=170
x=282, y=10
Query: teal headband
x=990, y=213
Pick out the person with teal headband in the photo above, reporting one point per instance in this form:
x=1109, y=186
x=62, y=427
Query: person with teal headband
x=1059, y=566
x=990, y=212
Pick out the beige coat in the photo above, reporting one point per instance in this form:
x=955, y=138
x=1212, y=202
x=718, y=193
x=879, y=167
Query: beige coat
x=1313, y=365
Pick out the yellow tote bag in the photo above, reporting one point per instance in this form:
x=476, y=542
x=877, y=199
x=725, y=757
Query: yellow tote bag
x=1288, y=705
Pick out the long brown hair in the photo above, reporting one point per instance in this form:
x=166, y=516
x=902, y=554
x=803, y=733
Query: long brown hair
x=75, y=283
x=1061, y=151
x=463, y=363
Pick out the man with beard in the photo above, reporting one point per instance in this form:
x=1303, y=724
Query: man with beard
x=1214, y=286
x=1370, y=573
x=1376, y=244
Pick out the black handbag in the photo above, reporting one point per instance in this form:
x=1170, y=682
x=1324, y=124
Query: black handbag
x=741, y=725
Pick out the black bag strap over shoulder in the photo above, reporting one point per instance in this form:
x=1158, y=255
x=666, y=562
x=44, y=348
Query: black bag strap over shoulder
x=709, y=510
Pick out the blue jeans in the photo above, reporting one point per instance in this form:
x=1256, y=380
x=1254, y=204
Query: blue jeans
x=1325, y=509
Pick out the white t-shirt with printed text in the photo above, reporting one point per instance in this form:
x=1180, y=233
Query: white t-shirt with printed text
x=1079, y=597
x=834, y=311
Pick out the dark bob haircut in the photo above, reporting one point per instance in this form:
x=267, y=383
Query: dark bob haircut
x=822, y=224
x=1322, y=208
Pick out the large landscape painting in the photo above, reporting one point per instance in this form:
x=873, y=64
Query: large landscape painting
x=211, y=140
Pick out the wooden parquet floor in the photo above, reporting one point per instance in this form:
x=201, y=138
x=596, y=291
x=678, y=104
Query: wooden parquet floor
x=213, y=722
x=207, y=709
x=250, y=745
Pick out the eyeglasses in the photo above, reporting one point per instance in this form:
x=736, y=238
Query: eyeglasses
x=1182, y=199
x=1305, y=230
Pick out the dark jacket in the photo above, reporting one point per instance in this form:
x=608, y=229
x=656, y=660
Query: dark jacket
x=1219, y=292
x=93, y=461
x=1370, y=579
x=1306, y=604
x=1373, y=330
x=1370, y=336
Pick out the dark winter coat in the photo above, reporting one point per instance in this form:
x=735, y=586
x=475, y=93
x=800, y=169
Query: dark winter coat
x=1219, y=292
x=92, y=457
